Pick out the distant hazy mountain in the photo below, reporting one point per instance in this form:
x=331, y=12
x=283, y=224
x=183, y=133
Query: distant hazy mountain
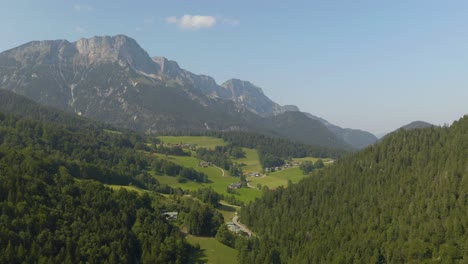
x=113, y=79
x=380, y=135
x=302, y=127
x=354, y=137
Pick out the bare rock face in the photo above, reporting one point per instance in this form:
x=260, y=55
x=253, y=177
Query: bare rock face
x=120, y=49
x=291, y=108
x=252, y=97
x=170, y=71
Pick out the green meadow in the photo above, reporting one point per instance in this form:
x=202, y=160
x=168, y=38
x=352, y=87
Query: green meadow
x=128, y=188
x=211, y=251
x=228, y=211
x=200, y=141
x=251, y=161
x=219, y=182
x=278, y=178
x=309, y=159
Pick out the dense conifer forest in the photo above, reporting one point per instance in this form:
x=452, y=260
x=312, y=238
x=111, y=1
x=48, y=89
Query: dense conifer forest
x=403, y=200
x=49, y=217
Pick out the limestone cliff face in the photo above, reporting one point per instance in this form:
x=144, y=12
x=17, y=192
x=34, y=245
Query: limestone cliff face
x=170, y=71
x=120, y=49
x=244, y=94
x=252, y=97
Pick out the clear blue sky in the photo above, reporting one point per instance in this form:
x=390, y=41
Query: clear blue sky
x=373, y=65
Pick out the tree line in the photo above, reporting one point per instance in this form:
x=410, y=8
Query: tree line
x=49, y=217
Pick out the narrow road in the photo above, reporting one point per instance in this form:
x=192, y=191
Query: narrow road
x=235, y=220
x=250, y=186
x=220, y=169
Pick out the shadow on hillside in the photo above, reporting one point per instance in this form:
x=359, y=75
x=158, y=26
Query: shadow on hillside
x=197, y=256
x=227, y=208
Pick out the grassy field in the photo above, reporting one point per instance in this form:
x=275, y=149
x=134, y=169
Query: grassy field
x=192, y=162
x=252, y=164
x=129, y=188
x=200, y=141
x=278, y=178
x=220, y=183
x=211, y=251
x=227, y=211
x=294, y=174
x=309, y=159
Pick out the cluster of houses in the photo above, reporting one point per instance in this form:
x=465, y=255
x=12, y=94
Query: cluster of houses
x=205, y=164
x=285, y=166
x=170, y=215
x=233, y=227
x=237, y=185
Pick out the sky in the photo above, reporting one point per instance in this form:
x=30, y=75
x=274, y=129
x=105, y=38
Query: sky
x=370, y=65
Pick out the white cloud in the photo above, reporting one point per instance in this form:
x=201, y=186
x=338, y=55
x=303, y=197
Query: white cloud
x=231, y=21
x=193, y=22
x=79, y=8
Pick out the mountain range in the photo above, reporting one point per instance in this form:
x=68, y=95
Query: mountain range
x=112, y=79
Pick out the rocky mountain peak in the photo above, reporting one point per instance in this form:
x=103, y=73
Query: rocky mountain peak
x=37, y=51
x=251, y=96
x=239, y=87
x=291, y=108
x=119, y=48
x=167, y=67
x=99, y=49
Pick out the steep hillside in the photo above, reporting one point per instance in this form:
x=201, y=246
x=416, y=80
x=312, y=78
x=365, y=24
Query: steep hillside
x=49, y=216
x=20, y=106
x=402, y=200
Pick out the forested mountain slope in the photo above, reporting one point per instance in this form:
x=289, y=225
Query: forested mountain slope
x=403, y=200
x=49, y=217
x=50, y=211
x=416, y=124
x=23, y=107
